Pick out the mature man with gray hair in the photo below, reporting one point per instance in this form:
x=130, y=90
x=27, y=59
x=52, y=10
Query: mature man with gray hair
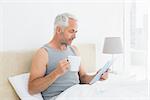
x=50, y=73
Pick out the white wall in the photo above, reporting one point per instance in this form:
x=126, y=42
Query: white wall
x=148, y=60
x=1, y=24
x=28, y=25
x=136, y=38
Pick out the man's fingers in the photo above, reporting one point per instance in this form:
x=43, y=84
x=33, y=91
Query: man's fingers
x=64, y=61
x=66, y=64
x=108, y=70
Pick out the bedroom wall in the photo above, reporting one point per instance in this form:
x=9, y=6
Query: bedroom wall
x=136, y=38
x=148, y=57
x=28, y=24
x=1, y=24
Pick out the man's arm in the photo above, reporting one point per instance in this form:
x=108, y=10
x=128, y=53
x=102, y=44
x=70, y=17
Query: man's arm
x=38, y=82
x=85, y=78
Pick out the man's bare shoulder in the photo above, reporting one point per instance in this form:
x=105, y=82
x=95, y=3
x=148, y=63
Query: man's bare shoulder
x=41, y=53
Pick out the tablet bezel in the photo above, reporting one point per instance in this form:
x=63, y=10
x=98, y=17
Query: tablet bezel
x=101, y=71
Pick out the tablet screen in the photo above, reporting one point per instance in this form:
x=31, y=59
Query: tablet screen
x=101, y=71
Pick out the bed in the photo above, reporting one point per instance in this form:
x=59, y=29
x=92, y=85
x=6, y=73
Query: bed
x=118, y=89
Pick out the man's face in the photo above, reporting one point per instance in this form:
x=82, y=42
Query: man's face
x=70, y=31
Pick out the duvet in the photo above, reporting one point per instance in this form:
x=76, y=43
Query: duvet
x=107, y=90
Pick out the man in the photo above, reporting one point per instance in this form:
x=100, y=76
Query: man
x=49, y=70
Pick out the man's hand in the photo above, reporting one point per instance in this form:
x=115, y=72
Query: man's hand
x=62, y=67
x=104, y=75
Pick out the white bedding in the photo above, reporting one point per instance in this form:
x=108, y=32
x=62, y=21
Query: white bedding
x=107, y=90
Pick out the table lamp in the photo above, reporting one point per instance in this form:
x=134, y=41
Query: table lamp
x=112, y=45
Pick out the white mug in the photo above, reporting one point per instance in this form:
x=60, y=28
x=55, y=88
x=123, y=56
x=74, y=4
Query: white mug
x=74, y=63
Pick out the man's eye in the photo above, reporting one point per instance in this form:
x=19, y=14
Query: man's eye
x=73, y=31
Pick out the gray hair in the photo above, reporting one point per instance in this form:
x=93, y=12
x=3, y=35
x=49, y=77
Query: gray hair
x=62, y=20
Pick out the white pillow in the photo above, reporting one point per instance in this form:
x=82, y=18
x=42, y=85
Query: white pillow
x=20, y=84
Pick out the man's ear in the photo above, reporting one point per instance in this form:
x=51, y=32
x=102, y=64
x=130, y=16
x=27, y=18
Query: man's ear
x=58, y=30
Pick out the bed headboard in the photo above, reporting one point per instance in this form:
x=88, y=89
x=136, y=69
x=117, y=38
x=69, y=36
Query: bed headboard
x=17, y=62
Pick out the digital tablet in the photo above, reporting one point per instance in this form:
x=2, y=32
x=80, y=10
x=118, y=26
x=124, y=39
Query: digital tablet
x=101, y=71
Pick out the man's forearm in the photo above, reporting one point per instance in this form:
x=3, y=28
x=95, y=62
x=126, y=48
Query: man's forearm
x=85, y=79
x=40, y=84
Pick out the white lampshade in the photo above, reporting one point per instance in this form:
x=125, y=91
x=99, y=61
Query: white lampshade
x=112, y=45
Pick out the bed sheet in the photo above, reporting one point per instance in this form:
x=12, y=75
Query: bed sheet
x=107, y=90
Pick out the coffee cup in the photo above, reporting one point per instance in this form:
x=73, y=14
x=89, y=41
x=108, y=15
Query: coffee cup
x=74, y=63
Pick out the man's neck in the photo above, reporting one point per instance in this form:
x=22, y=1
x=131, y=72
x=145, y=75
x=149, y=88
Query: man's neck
x=57, y=45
